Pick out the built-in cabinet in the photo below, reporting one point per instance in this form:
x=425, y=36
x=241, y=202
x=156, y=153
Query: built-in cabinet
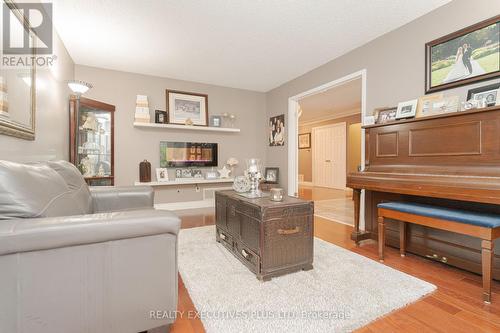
x=92, y=140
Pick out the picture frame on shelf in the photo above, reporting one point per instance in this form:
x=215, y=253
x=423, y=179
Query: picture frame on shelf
x=305, y=141
x=407, y=109
x=424, y=106
x=186, y=173
x=271, y=175
x=161, y=117
x=211, y=174
x=385, y=115
x=162, y=174
x=446, y=104
x=187, y=108
x=487, y=93
x=463, y=57
x=215, y=121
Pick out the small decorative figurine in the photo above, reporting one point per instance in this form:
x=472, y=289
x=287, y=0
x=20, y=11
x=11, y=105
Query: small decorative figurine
x=224, y=172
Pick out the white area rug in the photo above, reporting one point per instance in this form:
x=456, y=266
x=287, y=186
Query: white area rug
x=343, y=292
x=338, y=210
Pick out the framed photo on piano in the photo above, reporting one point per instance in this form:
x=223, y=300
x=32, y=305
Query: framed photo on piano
x=385, y=115
x=407, y=109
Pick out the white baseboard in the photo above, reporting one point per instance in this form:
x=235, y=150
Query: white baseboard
x=186, y=205
x=309, y=184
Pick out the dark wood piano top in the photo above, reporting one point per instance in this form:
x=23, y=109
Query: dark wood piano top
x=451, y=156
x=444, y=115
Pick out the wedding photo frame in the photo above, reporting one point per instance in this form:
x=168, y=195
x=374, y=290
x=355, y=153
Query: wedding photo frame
x=305, y=141
x=463, y=57
x=187, y=108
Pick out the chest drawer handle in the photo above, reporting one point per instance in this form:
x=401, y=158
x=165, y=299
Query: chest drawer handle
x=245, y=253
x=288, y=231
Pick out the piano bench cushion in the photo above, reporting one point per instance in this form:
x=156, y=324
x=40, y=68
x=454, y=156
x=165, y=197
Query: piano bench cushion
x=449, y=214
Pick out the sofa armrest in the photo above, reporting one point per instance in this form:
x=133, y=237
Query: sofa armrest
x=23, y=235
x=119, y=198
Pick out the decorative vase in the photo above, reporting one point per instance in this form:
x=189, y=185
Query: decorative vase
x=145, y=172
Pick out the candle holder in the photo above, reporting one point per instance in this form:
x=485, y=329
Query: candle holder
x=254, y=174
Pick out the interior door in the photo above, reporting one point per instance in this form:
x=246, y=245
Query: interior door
x=329, y=156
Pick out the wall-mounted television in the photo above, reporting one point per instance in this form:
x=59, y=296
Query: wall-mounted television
x=187, y=154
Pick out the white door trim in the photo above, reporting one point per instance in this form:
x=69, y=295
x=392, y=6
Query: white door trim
x=314, y=147
x=293, y=130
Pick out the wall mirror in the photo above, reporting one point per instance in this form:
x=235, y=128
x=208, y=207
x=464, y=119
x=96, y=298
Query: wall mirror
x=18, y=83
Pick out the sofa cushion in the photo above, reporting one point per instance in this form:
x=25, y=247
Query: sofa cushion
x=76, y=184
x=34, y=191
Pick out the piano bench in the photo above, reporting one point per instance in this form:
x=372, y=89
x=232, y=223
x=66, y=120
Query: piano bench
x=481, y=225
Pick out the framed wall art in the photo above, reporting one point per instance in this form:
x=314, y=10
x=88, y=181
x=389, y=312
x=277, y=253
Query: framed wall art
x=305, y=141
x=277, y=130
x=463, y=57
x=187, y=108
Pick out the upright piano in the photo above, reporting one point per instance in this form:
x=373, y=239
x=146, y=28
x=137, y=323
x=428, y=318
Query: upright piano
x=451, y=160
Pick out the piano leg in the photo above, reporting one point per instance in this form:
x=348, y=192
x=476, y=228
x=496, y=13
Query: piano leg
x=402, y=238
x=487, y=251
x=356, y=234
x=381, y=238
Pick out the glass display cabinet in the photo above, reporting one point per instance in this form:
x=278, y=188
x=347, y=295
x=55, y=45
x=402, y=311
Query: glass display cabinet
x=92, y=140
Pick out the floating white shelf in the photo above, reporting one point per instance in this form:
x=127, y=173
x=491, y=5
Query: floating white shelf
x=187, y=181
x=186, y=127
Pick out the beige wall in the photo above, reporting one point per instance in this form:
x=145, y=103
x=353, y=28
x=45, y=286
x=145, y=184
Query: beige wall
x=132, y=145
x=305, y=155
x=353, y=147
x=394, y=63
x=51, y=137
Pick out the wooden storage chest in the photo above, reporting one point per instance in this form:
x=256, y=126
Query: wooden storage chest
x=270, y=238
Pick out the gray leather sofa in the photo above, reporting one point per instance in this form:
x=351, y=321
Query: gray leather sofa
x=79, y=259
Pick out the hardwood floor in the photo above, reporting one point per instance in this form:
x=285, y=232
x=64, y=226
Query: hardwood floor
x=456, y=306
x=322, y=193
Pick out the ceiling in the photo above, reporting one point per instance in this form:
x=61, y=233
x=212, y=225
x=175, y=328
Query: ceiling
x=336, y=102
x=249, y=44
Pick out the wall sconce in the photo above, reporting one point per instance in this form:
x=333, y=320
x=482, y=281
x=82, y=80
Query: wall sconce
x=79, y=87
